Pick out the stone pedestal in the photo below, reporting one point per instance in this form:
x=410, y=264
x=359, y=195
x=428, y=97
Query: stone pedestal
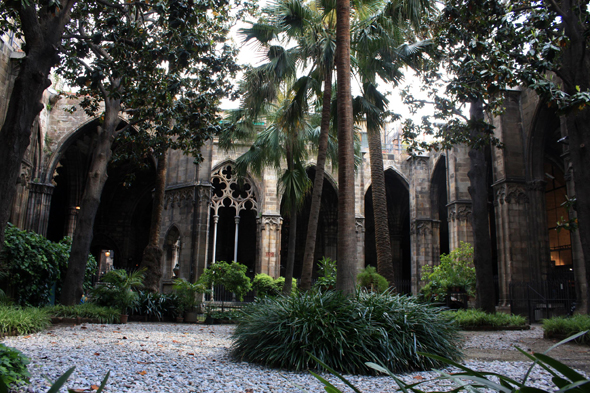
x=270, y=244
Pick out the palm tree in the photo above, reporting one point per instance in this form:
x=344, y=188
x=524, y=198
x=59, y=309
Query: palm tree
x=312, y=27
x=379, y=51
x=285, y=139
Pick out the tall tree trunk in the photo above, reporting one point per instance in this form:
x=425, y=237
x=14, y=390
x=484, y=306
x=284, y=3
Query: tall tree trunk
x=480, y=220
x=97, y=176
x=318, y=185
x=152, y=255
x=575, y=66
x=287, y=286
x=347, y=247
x=25, y=100
x=382, y=239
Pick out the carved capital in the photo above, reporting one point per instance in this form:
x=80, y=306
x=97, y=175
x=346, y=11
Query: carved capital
x=204, y=193
x=421, y=227
x=175, y=198
x=537, y=185
x=459, y=212
x=272, y=222
x=511, y=193
x=360, y=224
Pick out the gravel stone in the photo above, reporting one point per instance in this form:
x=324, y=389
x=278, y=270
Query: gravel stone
x=165, y=357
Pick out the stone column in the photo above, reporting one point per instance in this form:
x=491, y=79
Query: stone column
x=38, y=207
x=421, y=235
x=201, y=228
x=538, y=236
x=270, y=230
x=360, y=242
x=459, y=218
x=511, y=204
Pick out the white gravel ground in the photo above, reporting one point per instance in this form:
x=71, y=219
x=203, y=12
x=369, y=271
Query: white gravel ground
x=164, y=357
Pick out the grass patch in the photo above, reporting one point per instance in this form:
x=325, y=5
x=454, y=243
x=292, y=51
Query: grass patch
x=344, y=332
x=565, y=327
x=23, y=320
x=473, y=319
x=86, y=310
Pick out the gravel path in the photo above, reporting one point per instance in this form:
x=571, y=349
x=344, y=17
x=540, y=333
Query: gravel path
x=164, y=357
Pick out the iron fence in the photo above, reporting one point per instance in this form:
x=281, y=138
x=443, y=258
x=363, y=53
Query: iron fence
x=542, y=299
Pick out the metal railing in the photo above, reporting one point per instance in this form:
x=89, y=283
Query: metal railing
x=542, y=299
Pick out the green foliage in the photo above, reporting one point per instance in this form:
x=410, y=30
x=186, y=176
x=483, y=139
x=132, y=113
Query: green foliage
x=326, y=274
x=33, y=265
x=85, y=310
x=469, y=380
x=23, y=320
x=468, y=319
x=116, y=289
x=13, y=366
x=156, y=305
x=231, y=275
x=370, y=280
x=186, y=293
x=343, y=332
x=568, y=326
x=56, y=386
x=265, y=285
x=455, y=271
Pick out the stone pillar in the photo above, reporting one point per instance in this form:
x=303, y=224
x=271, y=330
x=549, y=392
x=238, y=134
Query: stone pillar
x=421, y=235
x=459, y=218
x=38, y=207
x=538, y=239
x=270, y=233
x=71, y=220
x=360, y=242
x=201, y=227
x=511, y=204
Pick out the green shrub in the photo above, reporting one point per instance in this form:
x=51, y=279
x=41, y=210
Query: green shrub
x=326, y=274
x=370, y=280
x=264, y=285
x=280, y=282
x=568, y=326
x=23, y=320
x=344, y=332
x=116, y=289
x=86, y=310
x=156, y=305
x=187, y=292
x=231, y=275
x=34, y=265
x=13, y=366
x=455, y=271
x=469, y=319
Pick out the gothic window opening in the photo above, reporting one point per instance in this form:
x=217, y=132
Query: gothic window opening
x=560, y=243
x=234, y=209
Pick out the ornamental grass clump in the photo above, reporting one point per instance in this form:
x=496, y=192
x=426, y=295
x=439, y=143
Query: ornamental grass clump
x=19, y=320
x=474, y=319
x=559, y=327
x=343, y=332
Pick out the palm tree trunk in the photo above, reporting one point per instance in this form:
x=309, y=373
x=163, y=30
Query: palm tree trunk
x=382, y=239
x=287, y=287
x=478, y=189
x=347, y=247
x=97, y=176
x=318, y=185
x=152, y=255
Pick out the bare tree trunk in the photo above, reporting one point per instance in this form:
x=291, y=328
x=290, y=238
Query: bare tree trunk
x=382, y=239
x=287, y=287
x=152, y=255
x=347, y=247
x=97, y=176
x=43, y=32
x=478, y=189
x=318, y=185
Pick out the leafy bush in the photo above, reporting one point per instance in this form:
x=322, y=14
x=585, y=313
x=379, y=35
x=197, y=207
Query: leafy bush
x=370, y=280
x=23, y=320
x=13, y=366
x=231, y=275
x=156, y=305
x=34, y=265
x=468, y=380
x=469, y=319
x=265, y=285
x=86, y=310
x=455, y=271
x=116, y=289
x=326, y=274
x=565, y=327
x=343, y=332
x=187, y=292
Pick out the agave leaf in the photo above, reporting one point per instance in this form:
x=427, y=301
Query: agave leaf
x=3, y=387
x=333, y=372
x=61, y=381
x=328, y=387
x=104, y=382
x=570, y=338
x=566, y=371
x=528, y=389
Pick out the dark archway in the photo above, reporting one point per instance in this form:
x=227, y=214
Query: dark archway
x=438, y=203
x=398, y=212
x=123, y=218
x=327, y=233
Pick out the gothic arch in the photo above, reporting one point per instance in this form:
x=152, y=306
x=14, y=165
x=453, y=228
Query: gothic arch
x=402, y=177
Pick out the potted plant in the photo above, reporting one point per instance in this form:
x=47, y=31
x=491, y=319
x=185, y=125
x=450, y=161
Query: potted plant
x=116, y=289
x=187, y=296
